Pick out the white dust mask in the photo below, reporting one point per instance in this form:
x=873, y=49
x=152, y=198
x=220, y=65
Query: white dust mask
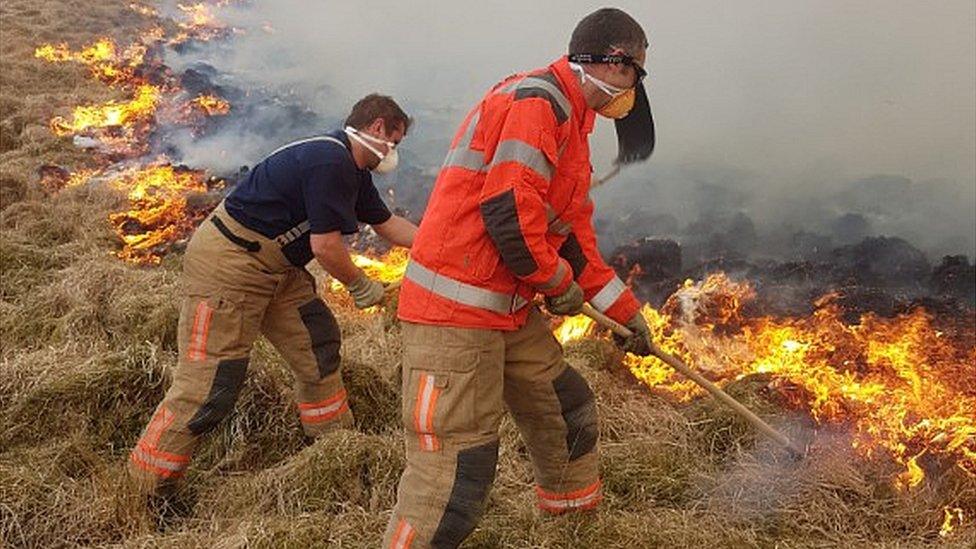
x=388, y=161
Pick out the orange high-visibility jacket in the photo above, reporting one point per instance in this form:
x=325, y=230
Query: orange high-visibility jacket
x=510, y=215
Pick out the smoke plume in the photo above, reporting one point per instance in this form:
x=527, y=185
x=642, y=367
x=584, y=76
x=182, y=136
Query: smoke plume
x=844, y=119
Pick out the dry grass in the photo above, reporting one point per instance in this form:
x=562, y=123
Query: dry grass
x=88, y=344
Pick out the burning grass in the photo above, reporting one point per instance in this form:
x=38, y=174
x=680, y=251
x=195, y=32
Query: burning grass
x=88, y=347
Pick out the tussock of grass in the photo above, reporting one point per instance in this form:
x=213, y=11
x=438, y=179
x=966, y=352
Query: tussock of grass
x=343, y=469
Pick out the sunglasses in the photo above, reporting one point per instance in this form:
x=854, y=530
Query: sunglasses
x=606, y=58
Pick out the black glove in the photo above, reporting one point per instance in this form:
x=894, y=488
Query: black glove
x=638, y=342
x=568, y=303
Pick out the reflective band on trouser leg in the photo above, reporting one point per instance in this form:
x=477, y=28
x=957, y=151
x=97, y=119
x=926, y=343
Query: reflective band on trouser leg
x=325, y=410
x=586, y=498
x=463, y=293
x=608, y=295
x=162, y=464
x=403, y=536
x=148, y=457
x=199, y=332
x=423, y=413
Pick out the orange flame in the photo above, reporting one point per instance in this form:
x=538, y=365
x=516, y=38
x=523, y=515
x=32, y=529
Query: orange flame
x=902, y=384
x=201, y=21
x=141, y=9
x=102, y=57
x=158, y=215
x=387, y=269
x=141, y=108
x=158, y=212
x=573, y=328
x=211, y=105
x=951, y=515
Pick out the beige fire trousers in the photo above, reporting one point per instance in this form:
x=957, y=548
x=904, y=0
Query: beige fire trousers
x=236, y=285
x=456, y=384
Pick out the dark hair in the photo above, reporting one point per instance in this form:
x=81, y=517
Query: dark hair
x=374, y=106
x=606, y=28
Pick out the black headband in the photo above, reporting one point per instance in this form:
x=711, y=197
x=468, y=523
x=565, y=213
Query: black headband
x=609, y=58
x=599, y=58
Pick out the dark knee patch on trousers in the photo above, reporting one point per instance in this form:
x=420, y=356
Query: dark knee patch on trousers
x=226, y=387
x=579, y=412
x=324, y=333
x=472, y=480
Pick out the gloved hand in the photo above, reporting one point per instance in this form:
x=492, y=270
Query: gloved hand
x=366, y=292
x=638, y=342
x=568, y=303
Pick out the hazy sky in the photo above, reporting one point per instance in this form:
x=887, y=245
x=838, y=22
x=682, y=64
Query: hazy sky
x=791, y=91
x=868, y=86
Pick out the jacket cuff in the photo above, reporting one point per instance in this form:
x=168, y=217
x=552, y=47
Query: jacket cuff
x=559, y=282
x=624, y=308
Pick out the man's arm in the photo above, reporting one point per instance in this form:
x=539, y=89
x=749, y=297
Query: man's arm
x=397, y=231
x=331, y=253
x=513, y=200
x=601, y=285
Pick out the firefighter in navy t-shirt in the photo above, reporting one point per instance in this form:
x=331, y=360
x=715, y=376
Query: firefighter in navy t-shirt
x=244, y=274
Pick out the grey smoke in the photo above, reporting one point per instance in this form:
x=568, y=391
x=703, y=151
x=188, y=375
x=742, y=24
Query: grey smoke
x=797, y=114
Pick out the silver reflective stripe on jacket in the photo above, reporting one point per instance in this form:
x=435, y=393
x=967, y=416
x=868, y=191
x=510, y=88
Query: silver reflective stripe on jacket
x=463, y=293
x=297, y=231
x=609, y=294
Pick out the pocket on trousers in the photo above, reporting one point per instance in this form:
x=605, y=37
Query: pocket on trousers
x=440, y=392
x=211, y=325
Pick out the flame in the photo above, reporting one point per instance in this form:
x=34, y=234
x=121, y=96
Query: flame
x=141, y=9
x=573, y=328
x=199, y=15
x=79, y=178
x=951, y=515
x=140, y=108
x=211, y=105
x=103, y=58
x=388, y=268
x=201, y=22
x=901, y=384
x=158, y=212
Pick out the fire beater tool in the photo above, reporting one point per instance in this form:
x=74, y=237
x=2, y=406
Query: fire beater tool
x=691, y=374
x=688, y=372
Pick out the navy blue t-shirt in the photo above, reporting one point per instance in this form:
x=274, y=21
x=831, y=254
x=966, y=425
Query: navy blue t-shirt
x=312, y=179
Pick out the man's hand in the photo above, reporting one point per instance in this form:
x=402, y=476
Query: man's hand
x=568, y=303
x=366, y=292
x=637, y=343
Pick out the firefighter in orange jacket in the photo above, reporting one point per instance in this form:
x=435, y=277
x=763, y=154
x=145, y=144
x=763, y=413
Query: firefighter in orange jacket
x=510, y=218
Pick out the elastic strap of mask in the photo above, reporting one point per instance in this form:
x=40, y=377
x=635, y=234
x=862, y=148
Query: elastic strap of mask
x=354, y=134
x=608, y=89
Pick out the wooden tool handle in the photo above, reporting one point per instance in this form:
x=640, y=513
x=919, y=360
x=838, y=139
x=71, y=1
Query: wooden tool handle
x=700, y=380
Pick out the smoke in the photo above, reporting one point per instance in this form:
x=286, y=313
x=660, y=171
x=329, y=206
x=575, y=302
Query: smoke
x=839, y=118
